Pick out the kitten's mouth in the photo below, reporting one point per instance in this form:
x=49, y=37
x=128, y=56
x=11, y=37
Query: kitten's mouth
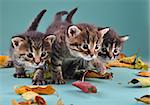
x=34, y=66
x=89, y=58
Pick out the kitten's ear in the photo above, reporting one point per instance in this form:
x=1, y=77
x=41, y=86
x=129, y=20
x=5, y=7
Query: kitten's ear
x=73, y=31
x=50, y=38
x=103, y=31
x=17, y=41
x=124, y=38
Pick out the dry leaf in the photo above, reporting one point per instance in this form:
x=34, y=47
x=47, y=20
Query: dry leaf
x=29, y=95
x=139, y=64
x=14, y=102
x=85, y=86
x=128, y=60
x=145, y=99
x=38, y=89
x=39, y=100
x=96, y=74
x=144, y=74
x=60, y=102
x=4, y=61
x=145, y=82
x=121, y=55
x=117, y=63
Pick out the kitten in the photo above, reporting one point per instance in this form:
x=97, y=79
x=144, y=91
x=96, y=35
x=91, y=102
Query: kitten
x=32, y=50
x=73, y=41
x=112, y=45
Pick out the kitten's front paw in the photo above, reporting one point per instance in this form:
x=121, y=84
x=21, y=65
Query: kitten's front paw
x=39, y=82
x=102, y=69
x=57, y=81
x=20, y=75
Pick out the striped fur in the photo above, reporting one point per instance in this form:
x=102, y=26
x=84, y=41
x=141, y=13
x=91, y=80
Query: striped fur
x=112, y=45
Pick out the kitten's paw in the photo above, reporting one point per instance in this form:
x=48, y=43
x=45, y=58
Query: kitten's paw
x=20, y=75
x=39, y=82
x=102, y=69
x=58, y=81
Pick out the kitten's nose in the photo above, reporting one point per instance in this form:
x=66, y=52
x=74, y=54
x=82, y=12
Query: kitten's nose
x=91, y=55
x=110, y=55
x=37, y=63
x=37, y=60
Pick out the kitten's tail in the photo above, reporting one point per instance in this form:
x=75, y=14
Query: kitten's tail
x=70, y=15
x=36, y=21
x=58, y=16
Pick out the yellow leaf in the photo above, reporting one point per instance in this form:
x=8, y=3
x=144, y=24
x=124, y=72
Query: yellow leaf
x=4, y=61
x=145, y=99
x=145, y=82
x=128, y=60
x=60, y=102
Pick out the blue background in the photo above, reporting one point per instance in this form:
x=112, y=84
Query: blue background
x=127, y=17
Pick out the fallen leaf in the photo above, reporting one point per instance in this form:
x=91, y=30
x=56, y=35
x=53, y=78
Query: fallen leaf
x=96, y=74
x=85, y=86
x=39, y=100
x=4, y=61
x=121, y=55
x=29, y=95
x=144, y=74
x=145, y=99
x=60, y=102
x=14, y=102
x=128, y=60
x=38, y=89
x=144, y=82
x=139, y=64
x=117, y=63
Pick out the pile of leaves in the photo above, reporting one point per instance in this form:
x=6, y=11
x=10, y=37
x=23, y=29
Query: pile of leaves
x=132, y=62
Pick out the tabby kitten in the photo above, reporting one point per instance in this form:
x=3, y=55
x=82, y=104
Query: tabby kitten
x=32, y=50
x=73, y=41
x=112, y=45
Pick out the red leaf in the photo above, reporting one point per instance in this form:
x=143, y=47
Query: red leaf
x=85, y=86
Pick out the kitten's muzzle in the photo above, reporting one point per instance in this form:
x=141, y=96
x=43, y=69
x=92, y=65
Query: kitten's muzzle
x=37, y=60
x=110, y=55
x=91, y=55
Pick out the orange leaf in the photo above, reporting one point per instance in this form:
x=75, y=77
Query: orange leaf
x=144, y=74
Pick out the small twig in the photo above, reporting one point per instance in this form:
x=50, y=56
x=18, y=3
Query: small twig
x=83, y=77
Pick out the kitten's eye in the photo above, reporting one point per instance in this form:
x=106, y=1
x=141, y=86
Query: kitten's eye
x=96, y=47
x=104, y=50
x=30, y=55
x=85, y=46
x=116, y=51
x=43, y=54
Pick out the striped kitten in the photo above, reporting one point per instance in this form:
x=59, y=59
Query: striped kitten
x=73, y=41
x=31, y=49
x=112, y=45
